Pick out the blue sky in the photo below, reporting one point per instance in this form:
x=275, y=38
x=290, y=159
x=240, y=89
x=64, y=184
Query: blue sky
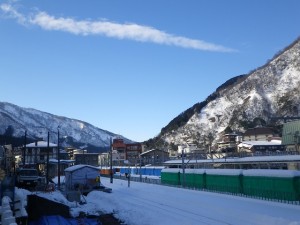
x=130, y=67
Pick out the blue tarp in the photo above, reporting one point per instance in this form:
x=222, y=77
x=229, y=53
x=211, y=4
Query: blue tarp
x=59, y=220
x=157, y=172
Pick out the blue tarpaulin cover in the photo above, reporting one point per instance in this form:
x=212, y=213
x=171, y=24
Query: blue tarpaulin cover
x=59, y=220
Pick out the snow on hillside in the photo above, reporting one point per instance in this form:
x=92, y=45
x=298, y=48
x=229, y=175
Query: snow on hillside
x=272, y=90
x=38, y=124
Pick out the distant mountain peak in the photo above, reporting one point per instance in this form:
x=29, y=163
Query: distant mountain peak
x=37, y=125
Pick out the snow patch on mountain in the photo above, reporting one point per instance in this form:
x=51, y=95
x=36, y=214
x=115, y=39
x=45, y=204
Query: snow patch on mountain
x=271, y=90
x=38, y=124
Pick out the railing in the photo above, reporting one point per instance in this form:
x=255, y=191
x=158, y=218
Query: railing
x=143, y=179
x=284, y=199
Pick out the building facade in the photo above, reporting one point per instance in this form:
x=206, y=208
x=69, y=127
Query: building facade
x=133, y=152
x=91, y=159
x=123, y=153
x=259, y=134
x=119, y=149
x=229, y=143
x=38, y=152
x=261, y=147
x=38, y=155
x=154, y=157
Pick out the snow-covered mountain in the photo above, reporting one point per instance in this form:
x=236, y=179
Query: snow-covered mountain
x=14, y=120
x=272, y=90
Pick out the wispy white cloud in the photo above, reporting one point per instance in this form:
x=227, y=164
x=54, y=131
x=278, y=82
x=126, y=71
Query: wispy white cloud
x=11, y=12
x=128, y=31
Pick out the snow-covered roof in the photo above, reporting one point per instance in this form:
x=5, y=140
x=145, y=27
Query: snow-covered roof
x=171, y=170
x=152, y=150
x=277, y=158
x=77, y=167
x=249, y=144
x=271, y=173
x=225, y=172
x=40, y=144
x=176, y=170
x=63, y=161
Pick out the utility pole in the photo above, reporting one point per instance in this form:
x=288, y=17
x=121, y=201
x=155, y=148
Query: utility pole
x=183, y=167
x=111, y=161
x=140, y=168
x=24, y=150
x=58, y=160
x=47, y=174
x=128, y=176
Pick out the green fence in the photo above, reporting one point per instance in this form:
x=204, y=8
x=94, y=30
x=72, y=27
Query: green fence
x=224, y=180
x=266, y=184
x=270, y=184
x=170, y=176
x=194, y=178
x=200, y=180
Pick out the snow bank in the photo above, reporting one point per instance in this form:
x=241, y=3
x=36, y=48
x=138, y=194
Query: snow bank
x=171, y=170
x=271, y=173
x=226, y=172
x=195, y=171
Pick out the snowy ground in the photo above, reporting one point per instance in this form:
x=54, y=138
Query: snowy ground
x=147, y=204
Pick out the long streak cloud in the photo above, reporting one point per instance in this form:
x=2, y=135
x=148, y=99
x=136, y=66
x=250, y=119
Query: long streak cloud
x=106, y=28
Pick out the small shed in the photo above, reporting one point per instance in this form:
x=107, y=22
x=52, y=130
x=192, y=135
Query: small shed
x=81, y=177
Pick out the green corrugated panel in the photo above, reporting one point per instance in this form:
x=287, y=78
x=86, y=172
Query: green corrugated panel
x=170, y=178
x=200, y=181
x=288, y=132
x=194, y=178
x=297, y=186
x=224, y=183
x=189, y=179
x=282, y=188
